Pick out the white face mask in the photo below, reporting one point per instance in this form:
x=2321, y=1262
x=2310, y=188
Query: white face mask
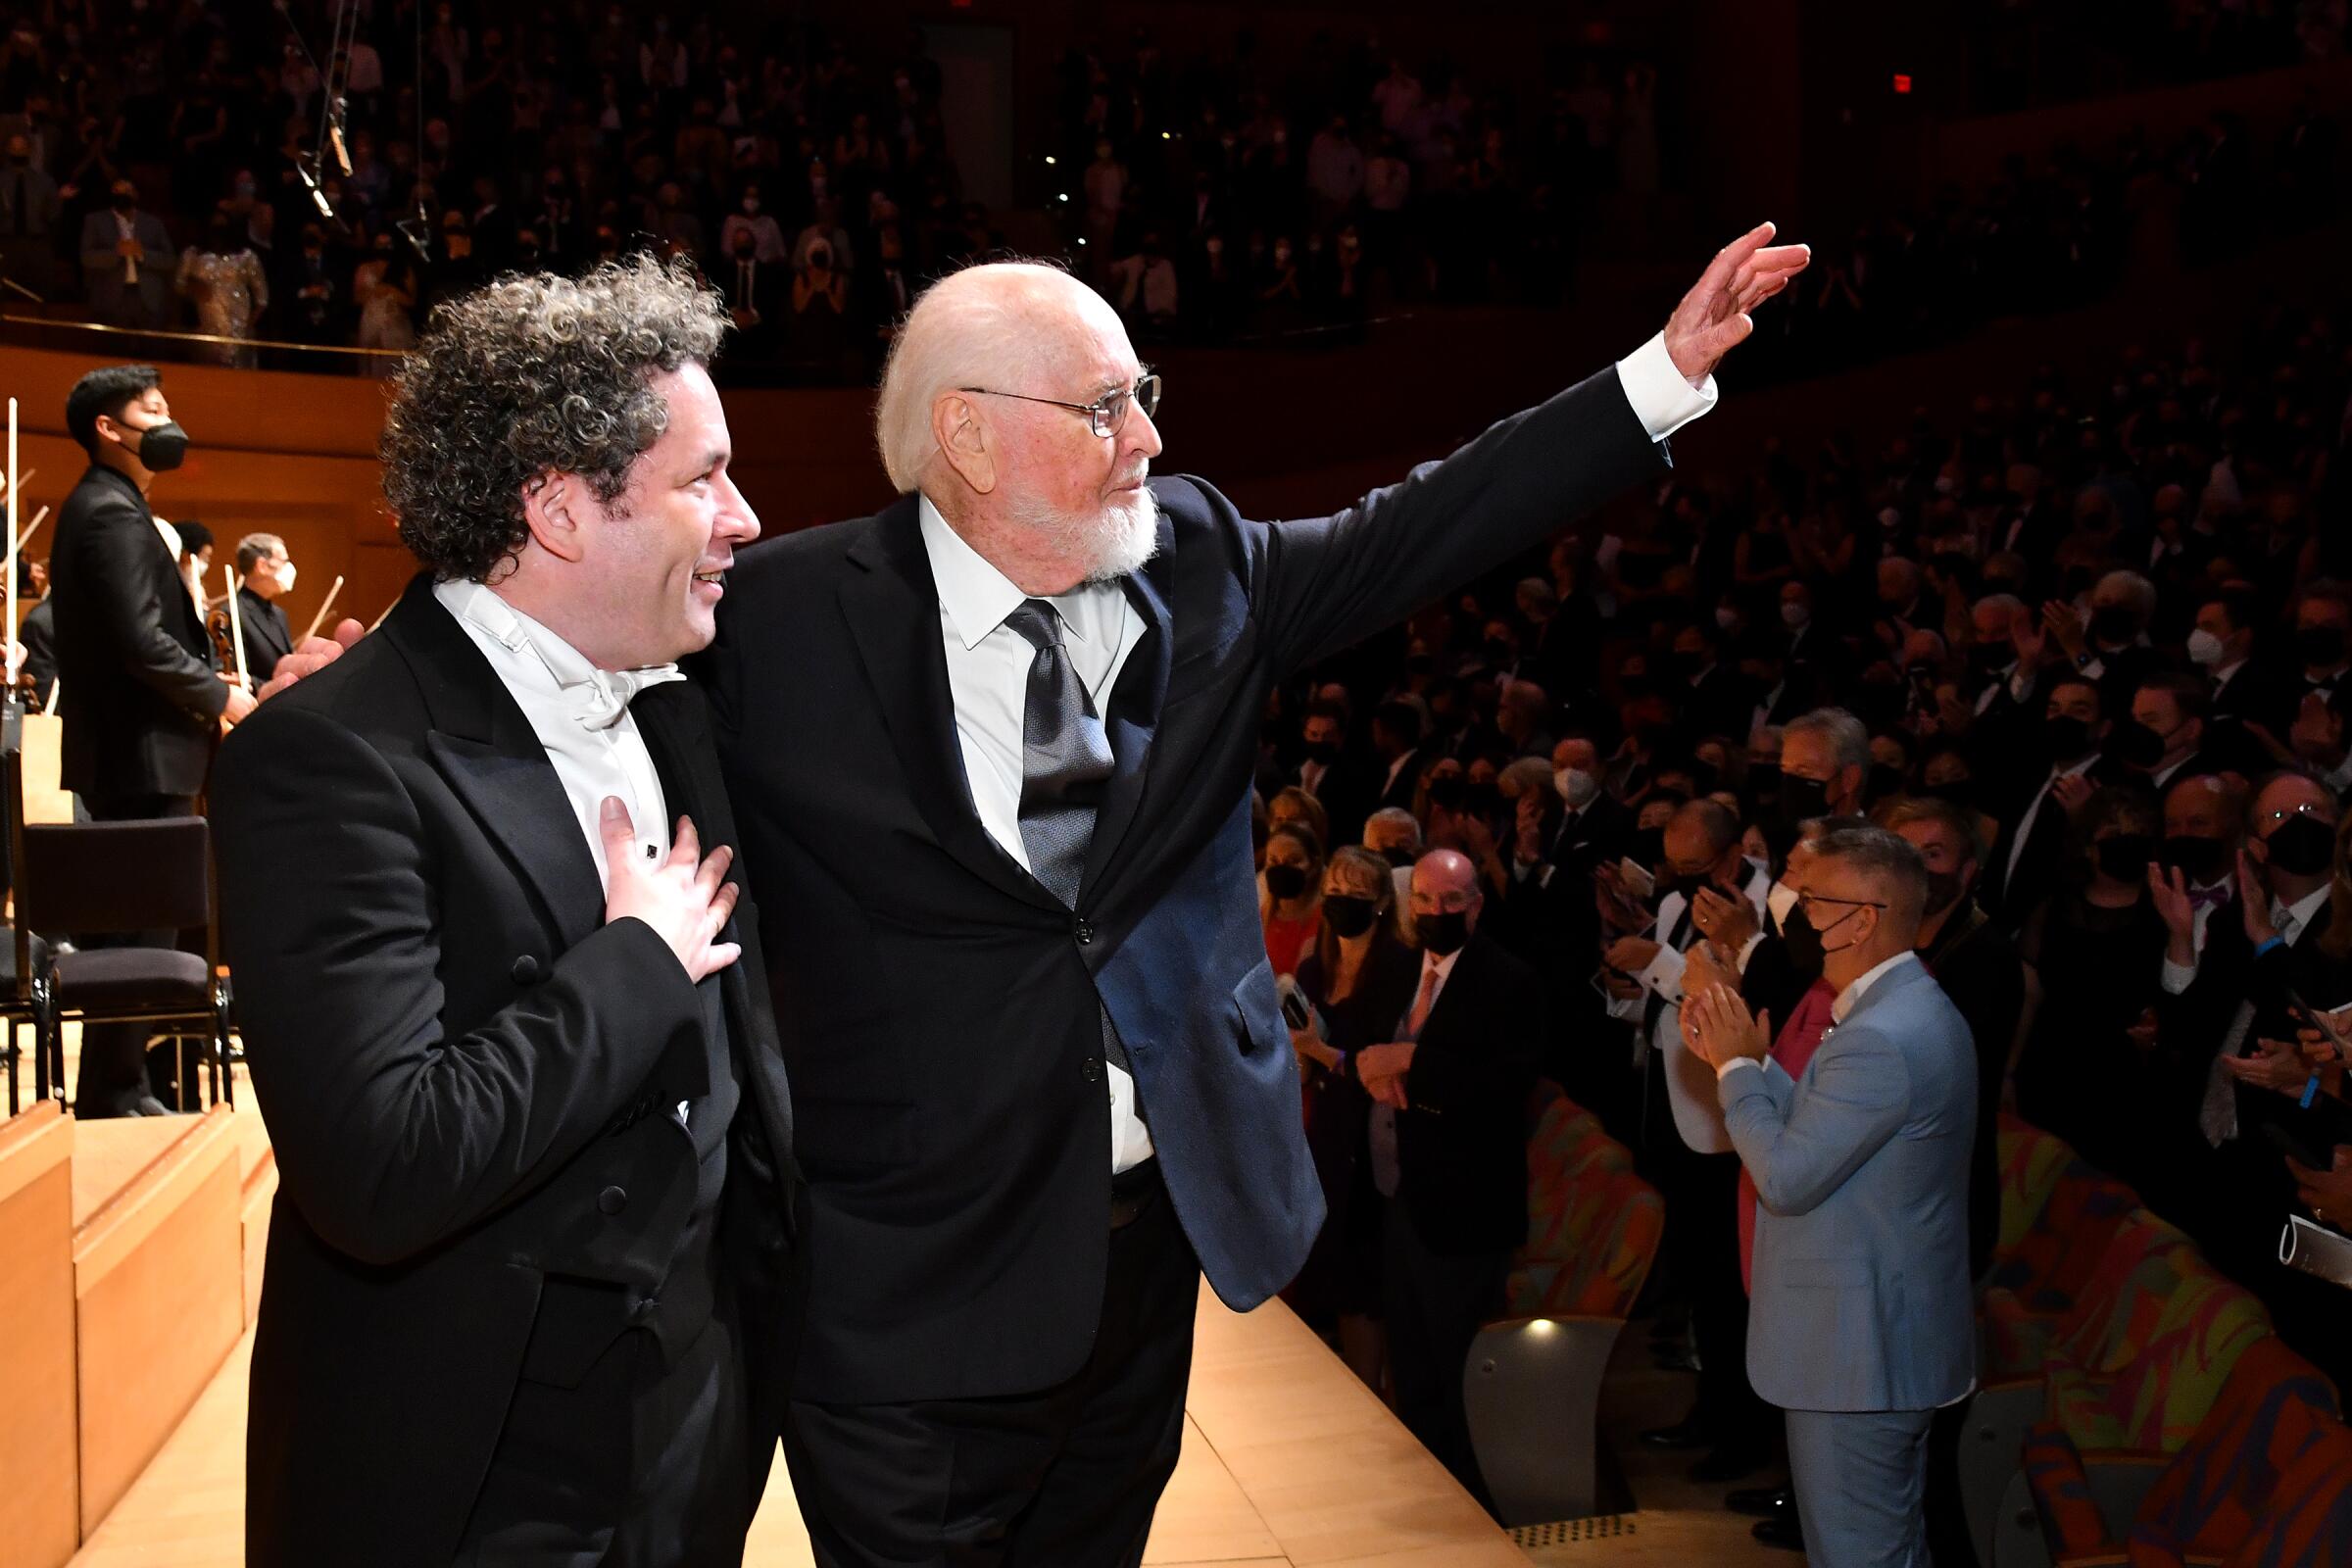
x=285, y=578
x=2204, y=648
x=1779, y=900
x=1576, y=786
x=1793, y=614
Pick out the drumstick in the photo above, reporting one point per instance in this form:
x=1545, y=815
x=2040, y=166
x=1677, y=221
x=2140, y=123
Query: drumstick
x=14, y=486
x=55, y=686
x=236, y=624
x=33, y=527
x=27, y=478
x=324, y=606
x=379, y=619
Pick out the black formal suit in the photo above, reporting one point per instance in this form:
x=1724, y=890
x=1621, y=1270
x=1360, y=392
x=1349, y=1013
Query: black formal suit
x=141, y=711
x=1716, y=703
x=492, y=1212
x=1979, y=970
x=1549, y=917
x=268, y=638
x=1349, y=789
x=38, y=634
x=131, y=650
x=1398, y=791
x=2009, y=895
x=1460, y=1204
x=942, y=1012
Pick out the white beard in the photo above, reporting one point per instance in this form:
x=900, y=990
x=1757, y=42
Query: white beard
x=1112, y=543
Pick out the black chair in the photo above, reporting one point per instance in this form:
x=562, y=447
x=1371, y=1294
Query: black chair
x=110, y=878
x=23, y=955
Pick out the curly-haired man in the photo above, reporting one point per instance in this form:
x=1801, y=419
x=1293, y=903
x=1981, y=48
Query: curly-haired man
x=510, y=1063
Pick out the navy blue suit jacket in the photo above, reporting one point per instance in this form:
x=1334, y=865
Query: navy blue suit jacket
x=938, y=1007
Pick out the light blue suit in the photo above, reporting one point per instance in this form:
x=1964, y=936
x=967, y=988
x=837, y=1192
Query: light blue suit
x=1863, y=1316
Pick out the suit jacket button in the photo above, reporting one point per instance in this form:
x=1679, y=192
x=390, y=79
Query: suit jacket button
x=1082, y=930
x=613, y=1200
x=525, y=970
x=1090, y=1069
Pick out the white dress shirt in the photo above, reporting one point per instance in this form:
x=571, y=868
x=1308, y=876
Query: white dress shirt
x=987, y=662
x=988, y=678
x=2024, y=824
x=570, y=704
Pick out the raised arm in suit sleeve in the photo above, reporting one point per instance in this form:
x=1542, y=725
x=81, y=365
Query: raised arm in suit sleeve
x=116, y=561
x=1319, y=585
x=392, y=1134
x=1800, y=1147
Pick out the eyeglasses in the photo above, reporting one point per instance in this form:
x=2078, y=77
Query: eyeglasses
x=2272, y=819
x=1106, y=415
x=1806, y=900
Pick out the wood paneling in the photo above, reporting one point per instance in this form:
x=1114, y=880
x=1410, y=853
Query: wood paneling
x=37, y=1414
x=159, y=1291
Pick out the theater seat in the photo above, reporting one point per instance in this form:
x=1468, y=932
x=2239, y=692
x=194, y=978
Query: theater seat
x=2309, y=1522
x=2199, y=1504
x=2059, y=1244
x=1532, y=1383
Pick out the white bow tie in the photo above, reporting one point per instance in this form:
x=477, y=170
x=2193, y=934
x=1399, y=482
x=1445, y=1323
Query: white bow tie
x=599, y=701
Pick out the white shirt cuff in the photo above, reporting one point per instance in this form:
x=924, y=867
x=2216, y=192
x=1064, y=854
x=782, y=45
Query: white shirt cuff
x=1747, y=951
x=2177, y=978
x=1737, y=1062
x=1663, y=398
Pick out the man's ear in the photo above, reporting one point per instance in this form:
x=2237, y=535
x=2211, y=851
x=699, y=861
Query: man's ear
x=553, y=507
x=965, y=440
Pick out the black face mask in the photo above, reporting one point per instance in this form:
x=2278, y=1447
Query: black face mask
x=1649, y=845
x=1442, y=934
x=1347, y=914
x=1684, y=883
x=1958, y=791
x=1500, y=652
x=2321, y=646
x=1804, y=944
x=1944, y=890
x=1802, y=799
x=2135, y=745
x=1447, y=791
x=2126, y=857
x=1705, y=777
x=2112, y=623
x=2302, y=845
x=1482, y=799
x=1324, y=752
x=162, y=446
x=1763, y=782
x=2198, y=860
x=2069, y=738
x=1398, y=859
x=1990, y=659
x=1286, y=881
x=1886, y=779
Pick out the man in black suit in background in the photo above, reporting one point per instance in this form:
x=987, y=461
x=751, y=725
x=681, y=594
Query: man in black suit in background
x=265, y=574
x=531, y=1123
x=146, y=702
x=1449, y=1150
x=1003, y=797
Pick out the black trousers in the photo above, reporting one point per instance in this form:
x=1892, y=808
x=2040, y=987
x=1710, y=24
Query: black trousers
x=1435, y=1304
x=1726, y=1401
x=114, y=1055
x=1064, y=1478
x=646, y=1463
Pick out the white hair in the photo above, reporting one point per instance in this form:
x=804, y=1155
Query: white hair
x=983, y=326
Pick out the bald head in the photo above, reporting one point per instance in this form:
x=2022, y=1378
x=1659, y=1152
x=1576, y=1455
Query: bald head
x=984, y=407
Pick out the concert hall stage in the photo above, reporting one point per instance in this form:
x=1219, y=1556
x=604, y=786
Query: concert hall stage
x=1287, y=1460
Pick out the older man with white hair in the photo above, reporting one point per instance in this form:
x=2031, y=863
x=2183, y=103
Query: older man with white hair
x=993, y=749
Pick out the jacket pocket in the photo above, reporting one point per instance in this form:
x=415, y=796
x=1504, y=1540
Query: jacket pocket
x=1259, y=1007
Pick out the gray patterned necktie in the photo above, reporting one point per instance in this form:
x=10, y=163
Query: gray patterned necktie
x=1065, y=756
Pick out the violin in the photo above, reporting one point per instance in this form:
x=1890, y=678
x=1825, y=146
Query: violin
x=224, y=644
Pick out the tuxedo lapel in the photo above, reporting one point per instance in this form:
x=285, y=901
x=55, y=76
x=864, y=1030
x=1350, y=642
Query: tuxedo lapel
x=1134, y=708
x=892, y=607
x=487, y=749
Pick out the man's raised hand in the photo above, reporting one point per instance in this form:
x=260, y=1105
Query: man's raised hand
x=685, y=898
x=1713, y=317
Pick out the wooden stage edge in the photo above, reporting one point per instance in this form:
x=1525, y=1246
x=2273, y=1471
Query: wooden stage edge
x=1288, y=1462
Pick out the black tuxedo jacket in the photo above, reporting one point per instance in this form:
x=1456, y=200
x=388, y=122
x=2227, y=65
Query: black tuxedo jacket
x=1461, y=1145
x=941, y=1011
x=143, y=700
x=267, y=637
x=467, y=1077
